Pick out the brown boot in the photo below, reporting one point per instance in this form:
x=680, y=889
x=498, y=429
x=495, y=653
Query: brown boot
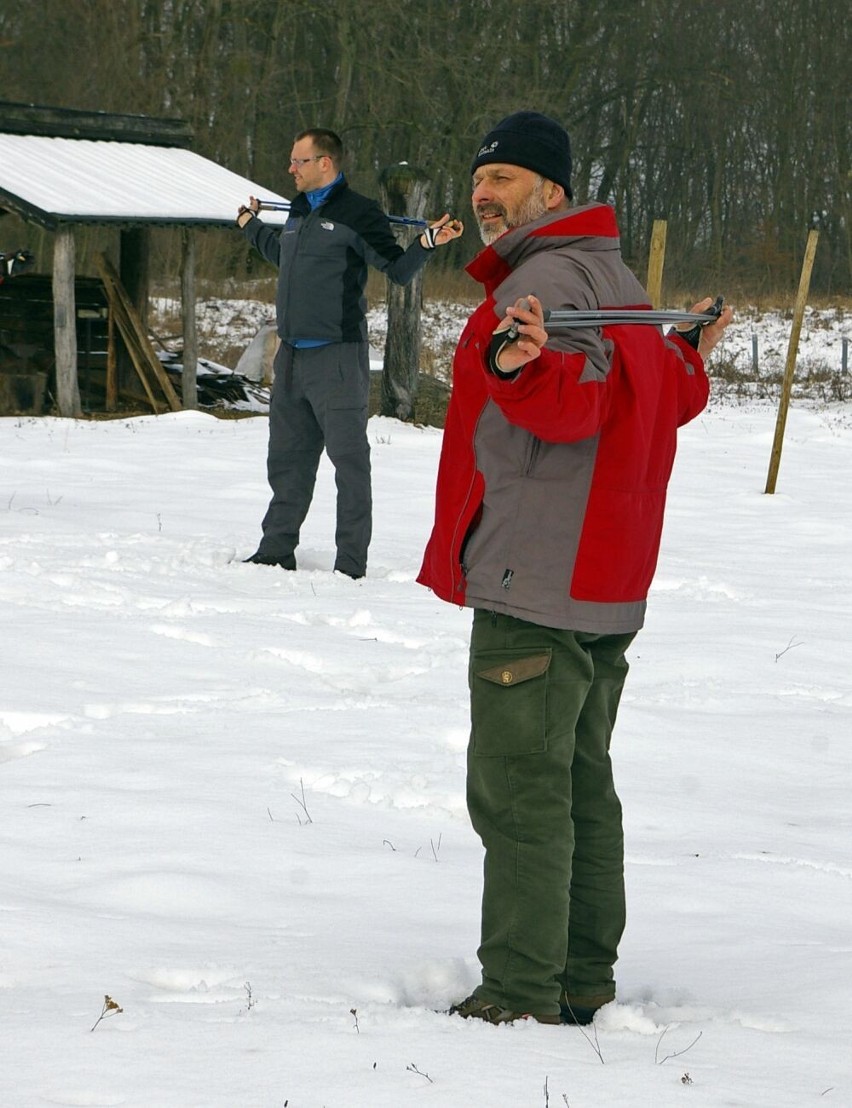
x=472, y=1008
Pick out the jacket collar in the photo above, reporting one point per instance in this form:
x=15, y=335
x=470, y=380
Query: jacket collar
x=492, y=265
x=301, y=205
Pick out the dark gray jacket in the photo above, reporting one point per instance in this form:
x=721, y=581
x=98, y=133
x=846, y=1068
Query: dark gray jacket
x=322, y=258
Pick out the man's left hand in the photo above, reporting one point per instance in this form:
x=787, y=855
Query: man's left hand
x=711, y=332
x=440, y=232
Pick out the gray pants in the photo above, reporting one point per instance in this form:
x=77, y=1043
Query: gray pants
x=320, y=399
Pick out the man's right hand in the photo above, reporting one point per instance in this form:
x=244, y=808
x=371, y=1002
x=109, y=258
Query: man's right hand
x=525, y=320
x=247, y=212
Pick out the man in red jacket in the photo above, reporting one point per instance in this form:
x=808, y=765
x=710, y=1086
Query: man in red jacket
x=551, y=488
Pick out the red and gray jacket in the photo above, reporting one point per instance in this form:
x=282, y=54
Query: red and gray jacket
x=552, y=485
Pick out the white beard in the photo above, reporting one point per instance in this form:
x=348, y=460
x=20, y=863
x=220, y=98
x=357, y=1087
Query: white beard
x=529, y=209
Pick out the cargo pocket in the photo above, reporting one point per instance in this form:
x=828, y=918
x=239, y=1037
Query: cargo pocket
x=509, y=703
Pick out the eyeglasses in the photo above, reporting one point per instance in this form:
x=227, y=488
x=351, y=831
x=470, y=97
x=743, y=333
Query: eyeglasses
x=297, y=162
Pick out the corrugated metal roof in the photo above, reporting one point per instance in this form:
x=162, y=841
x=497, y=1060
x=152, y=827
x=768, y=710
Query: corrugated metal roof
x=64, y=180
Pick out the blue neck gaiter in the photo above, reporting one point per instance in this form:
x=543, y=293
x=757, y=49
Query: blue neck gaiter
x=319, y=196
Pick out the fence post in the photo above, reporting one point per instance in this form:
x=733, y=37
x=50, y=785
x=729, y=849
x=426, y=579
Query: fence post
x=656, y=258
x=790, y=367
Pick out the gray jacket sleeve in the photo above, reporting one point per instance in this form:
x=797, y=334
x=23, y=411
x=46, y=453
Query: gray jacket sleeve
x=264, y=239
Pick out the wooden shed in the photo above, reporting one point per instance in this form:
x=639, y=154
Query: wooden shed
x=62, y=168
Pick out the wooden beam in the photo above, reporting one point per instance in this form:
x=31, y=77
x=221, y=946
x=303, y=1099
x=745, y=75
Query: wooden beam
x=189, y=377
x=32, y=119
x=65, y=324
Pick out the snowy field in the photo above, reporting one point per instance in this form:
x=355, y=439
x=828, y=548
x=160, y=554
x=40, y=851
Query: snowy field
x=233, y=797
x=752, y=354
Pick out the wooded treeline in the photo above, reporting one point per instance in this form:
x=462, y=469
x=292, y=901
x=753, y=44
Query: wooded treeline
x=729, y=119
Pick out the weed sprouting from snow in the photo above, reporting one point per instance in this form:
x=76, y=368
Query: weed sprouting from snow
x=593, y=1043
x=675, y=1053
x=110, y=1008
x=790, y=646
x=435, y=847
x=302, y=804
x=413, y=1069
x=547, y=1096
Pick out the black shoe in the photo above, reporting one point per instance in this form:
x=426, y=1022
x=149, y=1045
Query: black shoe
x=581, y=1011
x=353, y=576
x=285, y=561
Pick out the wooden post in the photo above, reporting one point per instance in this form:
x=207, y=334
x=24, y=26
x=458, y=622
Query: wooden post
x=111, y=402
x=405, y=191
x=189, y=377
x=656, y=258
x=65, y=324
x=790, y=366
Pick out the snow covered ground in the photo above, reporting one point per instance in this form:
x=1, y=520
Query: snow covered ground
x=233, y=797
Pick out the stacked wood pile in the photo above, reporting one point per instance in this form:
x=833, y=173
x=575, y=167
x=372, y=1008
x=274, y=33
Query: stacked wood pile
x=106, y=321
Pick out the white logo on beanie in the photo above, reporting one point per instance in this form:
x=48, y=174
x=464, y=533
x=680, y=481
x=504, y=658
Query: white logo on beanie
x=488, y=149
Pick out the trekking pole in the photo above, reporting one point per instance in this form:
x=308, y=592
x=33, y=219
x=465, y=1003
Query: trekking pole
x=561, y=319
x=284, y=206
x=555, y=320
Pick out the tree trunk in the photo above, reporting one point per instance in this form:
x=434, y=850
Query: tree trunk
x=405, y=191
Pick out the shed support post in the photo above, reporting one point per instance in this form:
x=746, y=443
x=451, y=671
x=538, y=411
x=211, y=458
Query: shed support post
x=189, y=377
x=65, y=324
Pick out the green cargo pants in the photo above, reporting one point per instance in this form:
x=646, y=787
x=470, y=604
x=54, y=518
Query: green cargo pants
x=541, y=797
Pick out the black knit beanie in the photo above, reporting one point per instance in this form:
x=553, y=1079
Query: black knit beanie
x=531, y=140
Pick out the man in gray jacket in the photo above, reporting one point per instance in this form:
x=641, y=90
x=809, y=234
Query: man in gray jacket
x=322, y=372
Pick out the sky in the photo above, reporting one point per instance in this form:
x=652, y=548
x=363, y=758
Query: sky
x=233, y=796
